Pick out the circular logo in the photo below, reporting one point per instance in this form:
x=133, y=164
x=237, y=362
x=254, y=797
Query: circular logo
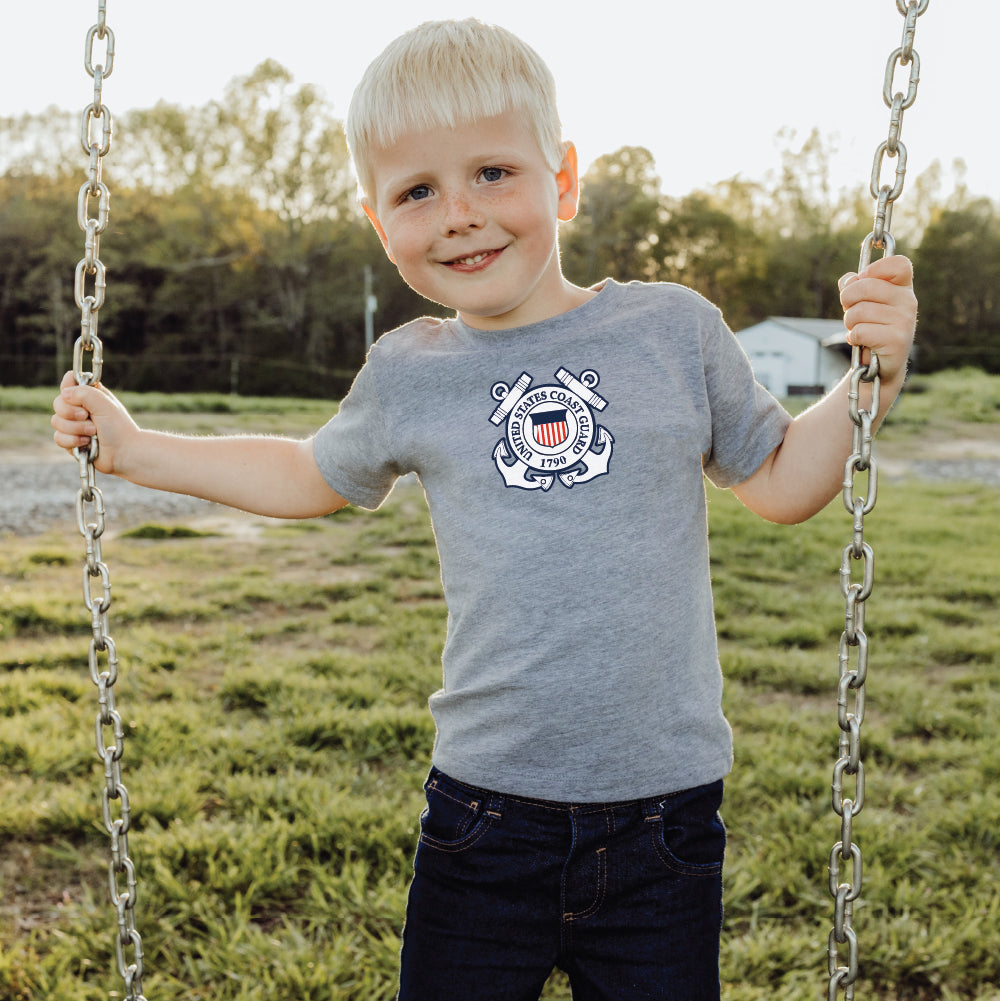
x=550, y=428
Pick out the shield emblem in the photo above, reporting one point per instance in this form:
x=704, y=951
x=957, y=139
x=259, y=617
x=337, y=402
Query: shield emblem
x=550, y=427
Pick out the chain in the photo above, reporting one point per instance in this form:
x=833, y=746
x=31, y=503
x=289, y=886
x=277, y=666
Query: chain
x=95, y=137
x=853, y=657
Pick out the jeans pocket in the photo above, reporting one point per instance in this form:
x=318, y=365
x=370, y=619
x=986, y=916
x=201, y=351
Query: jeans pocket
x=456, y=816
x=690, y=837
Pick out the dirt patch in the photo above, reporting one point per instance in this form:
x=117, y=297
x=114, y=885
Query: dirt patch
x=37, y=494
x=38, y=887
x=971, y=458
x=39, y=485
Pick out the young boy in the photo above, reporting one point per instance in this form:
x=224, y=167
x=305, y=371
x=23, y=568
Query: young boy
x=562, y=436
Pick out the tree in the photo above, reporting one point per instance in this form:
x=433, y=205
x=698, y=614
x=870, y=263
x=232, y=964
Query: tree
x=957, y=264
x=40, y=244
x=235, y=240
x=814, y=234
x=265, y=176
x=615, y=232
x=707, y=246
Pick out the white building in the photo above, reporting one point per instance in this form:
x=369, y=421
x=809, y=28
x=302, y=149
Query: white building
x=793, y=356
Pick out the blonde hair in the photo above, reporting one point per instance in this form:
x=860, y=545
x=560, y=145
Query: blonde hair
x=444, y=74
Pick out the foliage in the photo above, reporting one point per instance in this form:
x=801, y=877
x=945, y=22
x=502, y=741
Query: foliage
x=237, y=254
x=960, y=398
x=755, y=250
x=616, y=231
x=958, y=262
x=777, y=247
x=274, y=683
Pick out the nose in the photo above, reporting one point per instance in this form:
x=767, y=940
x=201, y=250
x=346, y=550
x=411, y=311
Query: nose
x=460, y=213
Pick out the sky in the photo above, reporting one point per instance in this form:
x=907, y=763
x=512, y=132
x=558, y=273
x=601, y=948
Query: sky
x=706, y=86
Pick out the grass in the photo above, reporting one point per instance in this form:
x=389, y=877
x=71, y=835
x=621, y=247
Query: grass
x=24, y=414
x=273, y=690
x=957, y=396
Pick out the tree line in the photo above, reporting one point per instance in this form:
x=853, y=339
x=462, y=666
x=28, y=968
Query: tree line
x=237, y=254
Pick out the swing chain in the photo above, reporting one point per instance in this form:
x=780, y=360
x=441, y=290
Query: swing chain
x=853, y=654
x=95, y=137
x=885, y=194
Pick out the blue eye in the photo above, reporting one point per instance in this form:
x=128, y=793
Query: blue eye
x=492, y=174
x=419, y=193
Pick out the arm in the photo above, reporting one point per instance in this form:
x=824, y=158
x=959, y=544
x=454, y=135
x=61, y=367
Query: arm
x=806, y=471
x=276, y=477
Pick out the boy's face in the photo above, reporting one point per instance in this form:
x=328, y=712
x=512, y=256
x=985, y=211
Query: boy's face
x=470, y=215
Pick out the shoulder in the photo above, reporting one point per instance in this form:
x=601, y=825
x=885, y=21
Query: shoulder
x=665, y=296
x=667, y=310
x=411, y=336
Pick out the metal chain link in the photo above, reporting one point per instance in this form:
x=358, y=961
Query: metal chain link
x=846, y=888
x=95, y=137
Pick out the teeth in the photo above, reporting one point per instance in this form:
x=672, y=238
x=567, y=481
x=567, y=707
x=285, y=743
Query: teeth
x=471, y=260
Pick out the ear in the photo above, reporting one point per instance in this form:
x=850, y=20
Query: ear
x=568, y=183
x=373, y=218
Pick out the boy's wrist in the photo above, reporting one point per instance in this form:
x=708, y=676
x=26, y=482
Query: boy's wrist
x=132, y=458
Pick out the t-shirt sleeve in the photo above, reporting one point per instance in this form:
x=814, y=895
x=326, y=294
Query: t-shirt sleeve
x=748, y=423
x=352, y=449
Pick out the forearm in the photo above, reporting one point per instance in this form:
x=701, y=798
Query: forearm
x=806, y=471
x=275, y=477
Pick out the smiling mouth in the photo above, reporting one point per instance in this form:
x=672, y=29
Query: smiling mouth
x=474, y=261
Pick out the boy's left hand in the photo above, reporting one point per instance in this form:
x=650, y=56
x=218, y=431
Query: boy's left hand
x=880, y=313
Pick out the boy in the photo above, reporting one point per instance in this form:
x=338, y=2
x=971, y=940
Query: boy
x=561, y=436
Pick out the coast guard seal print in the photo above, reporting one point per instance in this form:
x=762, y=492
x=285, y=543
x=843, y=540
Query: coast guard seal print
x=551, y=431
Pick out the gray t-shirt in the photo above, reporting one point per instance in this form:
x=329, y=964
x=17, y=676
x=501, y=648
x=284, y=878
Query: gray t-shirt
x=563, y=466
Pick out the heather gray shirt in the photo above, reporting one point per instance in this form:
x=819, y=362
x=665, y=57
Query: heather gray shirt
x=563, y=465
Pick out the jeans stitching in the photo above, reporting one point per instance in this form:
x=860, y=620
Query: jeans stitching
x=479, y=827
x=477, y=832
x=602, y=886
x=473, y=805
x=588, y=844
x=602, y=878
x=675, y=864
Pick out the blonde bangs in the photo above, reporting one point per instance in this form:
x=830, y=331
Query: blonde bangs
x=446, y=73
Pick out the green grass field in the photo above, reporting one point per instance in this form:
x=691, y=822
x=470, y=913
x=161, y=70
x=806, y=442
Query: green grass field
x=273, y=688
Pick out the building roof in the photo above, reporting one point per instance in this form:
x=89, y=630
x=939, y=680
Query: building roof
x=829, y=333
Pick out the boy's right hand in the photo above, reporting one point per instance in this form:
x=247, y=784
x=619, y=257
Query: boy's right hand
x=83, y=412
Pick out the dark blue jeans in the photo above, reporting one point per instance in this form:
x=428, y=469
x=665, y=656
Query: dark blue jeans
x=625, y=897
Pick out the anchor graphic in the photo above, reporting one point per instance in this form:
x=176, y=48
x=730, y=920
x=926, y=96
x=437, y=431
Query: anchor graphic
x=579, y=451
x=595, y=461
x=519, y=474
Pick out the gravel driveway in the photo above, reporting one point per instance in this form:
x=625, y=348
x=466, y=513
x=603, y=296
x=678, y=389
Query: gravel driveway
x=37, y=494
